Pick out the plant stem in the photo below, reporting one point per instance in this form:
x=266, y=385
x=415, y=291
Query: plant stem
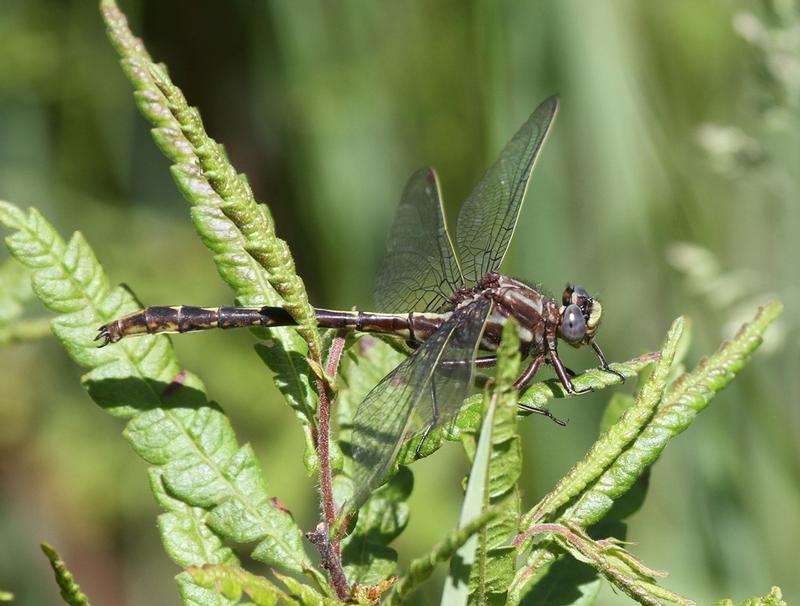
x=326, y=389
x=614, y=563
x=324, y=452
x=328, y=547
x=335, y=355
x=330, y=561
x=25, y=330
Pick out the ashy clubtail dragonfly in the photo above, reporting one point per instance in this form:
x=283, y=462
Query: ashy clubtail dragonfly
x=447, y=307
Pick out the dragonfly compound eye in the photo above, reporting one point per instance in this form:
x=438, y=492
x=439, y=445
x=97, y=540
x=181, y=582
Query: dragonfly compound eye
x=566, y=298
x=573, y=324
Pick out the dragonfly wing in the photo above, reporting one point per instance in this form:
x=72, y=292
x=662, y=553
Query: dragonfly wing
x=420, y=270
x=428, y=387
x=489, y=215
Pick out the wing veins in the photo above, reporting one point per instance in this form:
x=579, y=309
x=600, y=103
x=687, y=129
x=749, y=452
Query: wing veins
x=490, y=214
x=420, y=258
x=384, y=418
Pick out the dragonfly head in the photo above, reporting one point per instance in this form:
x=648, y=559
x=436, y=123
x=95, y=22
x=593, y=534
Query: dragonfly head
x=580, y=316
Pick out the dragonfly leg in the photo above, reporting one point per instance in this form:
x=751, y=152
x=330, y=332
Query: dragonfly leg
x=544, y=412
x=568, y=370
x=525, y=378
x=603, y=364
x=561, y=372
x=434, y=420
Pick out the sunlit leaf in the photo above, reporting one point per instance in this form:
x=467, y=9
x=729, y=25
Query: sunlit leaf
x=249, y=256
x=495, y=558
x=171, y=425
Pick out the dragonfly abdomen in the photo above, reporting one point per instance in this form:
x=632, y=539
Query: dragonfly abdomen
x=410, y=326
x=186, y=318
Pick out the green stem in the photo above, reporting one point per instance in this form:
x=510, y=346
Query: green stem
x=422, y=568
x=25, y=330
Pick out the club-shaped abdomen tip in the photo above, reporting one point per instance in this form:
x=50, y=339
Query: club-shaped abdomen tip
x=106, y=334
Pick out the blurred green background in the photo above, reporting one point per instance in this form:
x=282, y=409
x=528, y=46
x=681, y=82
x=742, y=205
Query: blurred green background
x=669, y=186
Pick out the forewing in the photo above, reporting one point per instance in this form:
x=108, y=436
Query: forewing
x=420, y=270
x=489, y=215
x=403, y=402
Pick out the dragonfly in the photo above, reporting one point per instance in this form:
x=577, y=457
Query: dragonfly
x=450, y=308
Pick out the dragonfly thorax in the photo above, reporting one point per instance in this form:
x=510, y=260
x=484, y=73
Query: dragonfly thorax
x=539, y=316
x=536, y=314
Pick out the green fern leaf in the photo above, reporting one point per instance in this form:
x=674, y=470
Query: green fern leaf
x=305, y=595
x=194, y=594
x=231, y=582
x=188, y=539
x=612, y=442
x=171, y=425
x=15, y=293
x=681, y=403
x=495, y=558
x=248, y=254
x=773, y=598
x=686, y=397
x=70, y=590
x=15, y=290
x=294, y=379
x=422, y=568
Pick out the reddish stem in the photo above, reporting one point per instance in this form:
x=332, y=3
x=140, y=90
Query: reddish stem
x=330, y=561
x=324, y=454
x=554, y=528
x=324, y=436
x=335, y=355
x=328, y=549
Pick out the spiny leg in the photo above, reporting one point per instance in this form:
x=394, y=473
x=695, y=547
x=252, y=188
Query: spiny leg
x=523, y=381
x=561, y=372
x=543, y=412
x=568, y=370
x=603, y=364
x=525, y=378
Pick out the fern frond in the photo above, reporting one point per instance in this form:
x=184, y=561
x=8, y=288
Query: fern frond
x=239, y=231
x=422, y=568
x=70, y=590
x=213, y=484
x=685, y=398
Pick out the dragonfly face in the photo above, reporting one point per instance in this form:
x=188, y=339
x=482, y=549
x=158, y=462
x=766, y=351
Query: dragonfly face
x=448, y=301
x=580, y=316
